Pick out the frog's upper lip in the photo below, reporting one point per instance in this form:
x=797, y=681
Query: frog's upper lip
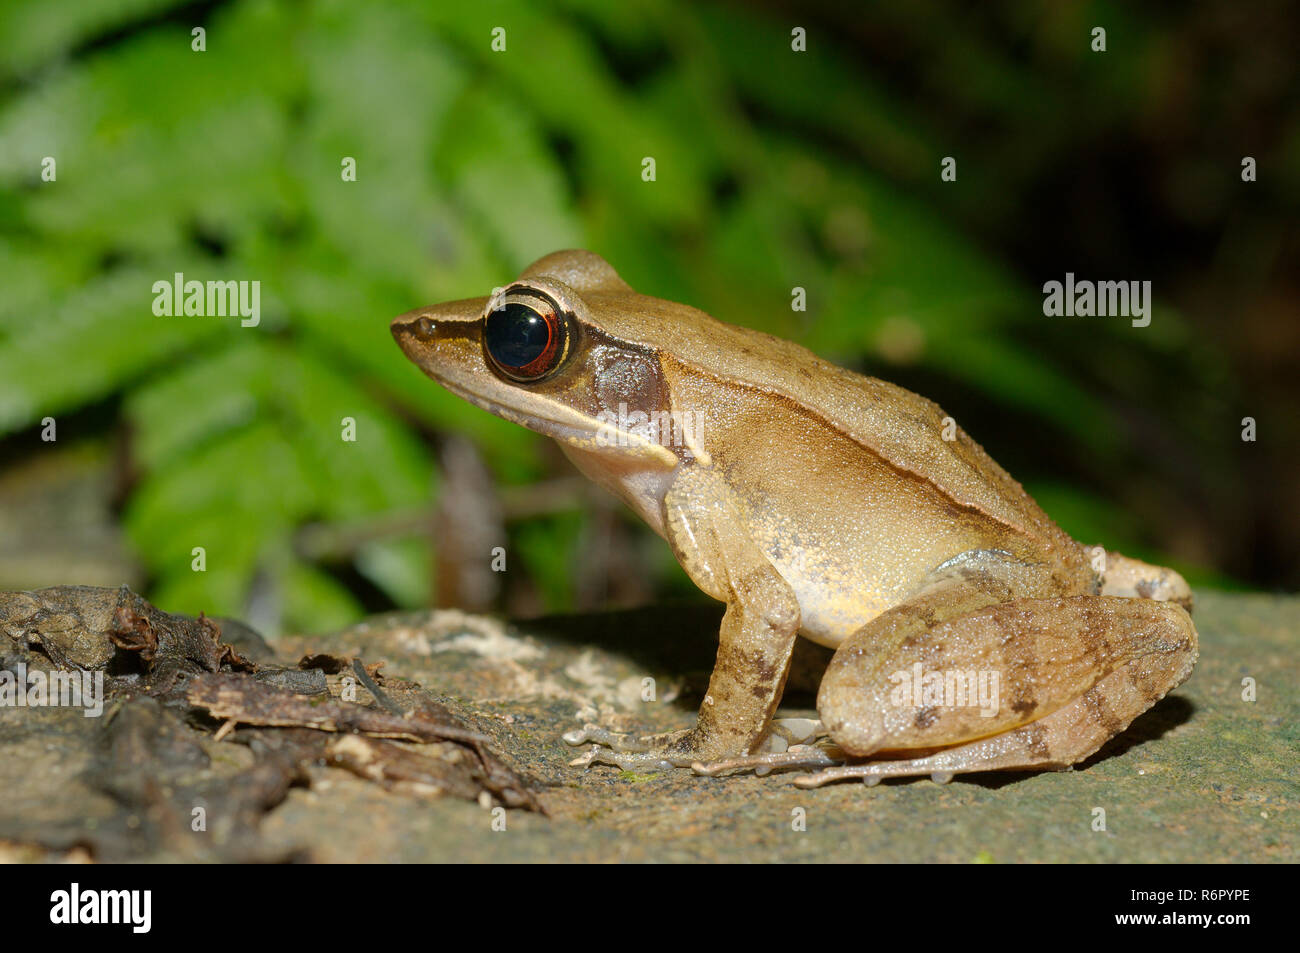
x=465, y=311
x=405, y=328
x=577, y=428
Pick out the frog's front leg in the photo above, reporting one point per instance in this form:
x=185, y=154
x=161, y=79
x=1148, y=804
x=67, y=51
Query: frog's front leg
x=704, y=527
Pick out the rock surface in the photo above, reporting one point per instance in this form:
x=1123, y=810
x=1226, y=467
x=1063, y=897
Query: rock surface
x=1205, y=776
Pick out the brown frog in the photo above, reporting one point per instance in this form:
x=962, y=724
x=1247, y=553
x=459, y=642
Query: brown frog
x=970, y=632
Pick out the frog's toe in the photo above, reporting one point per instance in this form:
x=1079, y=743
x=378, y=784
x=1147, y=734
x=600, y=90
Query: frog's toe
x=614, y=741
x=795, y=757
x=645, y=761
x=633, y=752
x=874, y=772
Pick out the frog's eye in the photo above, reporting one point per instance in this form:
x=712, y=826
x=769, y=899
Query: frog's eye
x=526, y=337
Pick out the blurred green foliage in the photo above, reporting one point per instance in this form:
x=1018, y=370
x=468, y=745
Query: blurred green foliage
x=225, y=164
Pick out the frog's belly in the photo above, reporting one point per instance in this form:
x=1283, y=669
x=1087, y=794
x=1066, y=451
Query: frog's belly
x=830, y=611
x=842, y=589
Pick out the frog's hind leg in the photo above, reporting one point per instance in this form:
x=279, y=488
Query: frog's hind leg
x=1063, y=738
x=802, y=757
x=1024, y=683
x=1123, y=576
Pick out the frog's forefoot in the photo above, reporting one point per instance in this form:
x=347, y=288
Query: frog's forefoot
x=632, y=752
x=628, y=761
x=594, y=734
x=789, y=743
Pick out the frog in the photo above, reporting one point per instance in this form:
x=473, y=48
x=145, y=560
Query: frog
x=966, y=631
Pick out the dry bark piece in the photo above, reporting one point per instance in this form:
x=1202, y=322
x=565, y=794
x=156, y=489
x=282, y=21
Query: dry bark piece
x=300, y=682
x=68, y=623
x=139, y=627
x=391, y=765
x=232, y=698
x=82, y=627
x=147, y=762
x=329, y=664
x=250, y=702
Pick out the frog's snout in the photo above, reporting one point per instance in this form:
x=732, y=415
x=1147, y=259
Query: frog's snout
x=444, y=340
x=408, y=329
x=418, y=333
x=413, y=326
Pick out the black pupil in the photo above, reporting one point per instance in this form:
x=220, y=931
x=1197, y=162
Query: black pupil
x=516, y=335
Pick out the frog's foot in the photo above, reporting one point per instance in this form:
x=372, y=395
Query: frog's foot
x=789, y=743
x=1026, y=748
x=632, y=752
x=796, y=757
x=941, y=771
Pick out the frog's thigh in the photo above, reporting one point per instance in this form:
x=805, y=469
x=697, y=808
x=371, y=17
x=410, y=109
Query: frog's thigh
x=1045, y=681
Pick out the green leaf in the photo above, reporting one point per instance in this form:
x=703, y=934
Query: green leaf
x=498, y=167
x=92, y=342
x=221, y=393
x=35, y=31
x=314, y=601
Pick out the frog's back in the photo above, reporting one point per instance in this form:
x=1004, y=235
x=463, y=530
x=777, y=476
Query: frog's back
x=897, y=425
